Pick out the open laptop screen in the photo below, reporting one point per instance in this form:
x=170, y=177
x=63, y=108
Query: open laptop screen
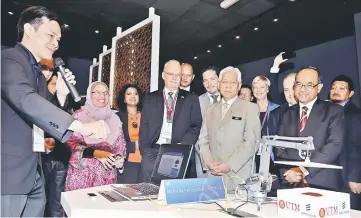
x=172, y=162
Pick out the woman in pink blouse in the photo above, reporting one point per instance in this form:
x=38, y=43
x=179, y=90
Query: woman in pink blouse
x=94, y=162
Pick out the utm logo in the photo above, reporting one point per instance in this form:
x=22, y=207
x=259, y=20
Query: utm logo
x=322, y=212
x=281, y=204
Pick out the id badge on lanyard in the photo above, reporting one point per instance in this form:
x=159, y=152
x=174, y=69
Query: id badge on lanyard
x=38, y=134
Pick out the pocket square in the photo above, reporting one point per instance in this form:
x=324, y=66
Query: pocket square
x=236, y=118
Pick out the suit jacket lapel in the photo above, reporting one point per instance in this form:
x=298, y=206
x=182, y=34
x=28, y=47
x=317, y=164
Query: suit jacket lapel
x=314, y=118
x=295, y=121
x=206, y=101
x=216, y=115
x=179, y=104
x=159, y=110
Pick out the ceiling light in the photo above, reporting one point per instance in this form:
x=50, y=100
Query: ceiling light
x=292, y=0
x=195, y=57
x=255, y=28
x=11, y=13
x=219, y=46
x=237, y=37
x=275, y=17
x=209, y=51
x=66, y=25
x=228, y=3
x=96, y=31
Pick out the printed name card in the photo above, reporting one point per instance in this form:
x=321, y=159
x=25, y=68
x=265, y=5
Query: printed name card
x=177, y=191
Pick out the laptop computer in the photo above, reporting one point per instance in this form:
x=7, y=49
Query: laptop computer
x=171, y=163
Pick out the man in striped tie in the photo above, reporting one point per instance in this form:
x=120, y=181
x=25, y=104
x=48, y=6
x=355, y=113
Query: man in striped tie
x=322, y=120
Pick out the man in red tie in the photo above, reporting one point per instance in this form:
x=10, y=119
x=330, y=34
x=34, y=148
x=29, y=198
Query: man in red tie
x=322, y=120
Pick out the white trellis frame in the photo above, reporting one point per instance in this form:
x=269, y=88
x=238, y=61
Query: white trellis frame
x=95, y=64
x=101, y=56
x=155, y=20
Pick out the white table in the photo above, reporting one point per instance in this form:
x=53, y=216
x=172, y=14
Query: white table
x=78, y=204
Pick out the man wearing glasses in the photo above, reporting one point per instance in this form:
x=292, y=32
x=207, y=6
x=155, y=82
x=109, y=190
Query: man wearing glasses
x=322, y=120
x=187, y=77
x=169, y=115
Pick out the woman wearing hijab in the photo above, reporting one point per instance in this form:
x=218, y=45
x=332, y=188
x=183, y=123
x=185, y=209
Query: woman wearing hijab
x=94, y=162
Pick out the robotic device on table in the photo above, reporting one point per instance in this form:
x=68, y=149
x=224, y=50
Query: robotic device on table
x=258, y=185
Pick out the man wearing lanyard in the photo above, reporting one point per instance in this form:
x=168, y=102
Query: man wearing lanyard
x=170, y=115
x=26, y=114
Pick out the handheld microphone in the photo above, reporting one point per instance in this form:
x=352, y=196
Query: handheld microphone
x=59, y=63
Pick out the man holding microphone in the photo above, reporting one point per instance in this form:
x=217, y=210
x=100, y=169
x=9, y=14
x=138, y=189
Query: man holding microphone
x=26, y=114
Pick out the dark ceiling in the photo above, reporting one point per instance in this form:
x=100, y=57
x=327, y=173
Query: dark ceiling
x=191, y=27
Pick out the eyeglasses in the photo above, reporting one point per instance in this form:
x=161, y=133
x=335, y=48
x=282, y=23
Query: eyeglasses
x=229, y=83
x=97, y=93
x=307, y=86
x=173, y=74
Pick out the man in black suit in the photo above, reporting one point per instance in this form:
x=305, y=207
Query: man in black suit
x=170, y=115
x=341, y=91
x=187, y=77
x=25, y=112
x=324, y=121
x=274, y=118
x=289, y=94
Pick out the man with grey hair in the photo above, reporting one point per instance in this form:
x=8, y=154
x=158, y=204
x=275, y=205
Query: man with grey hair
x=229, y=132
x=169, y=115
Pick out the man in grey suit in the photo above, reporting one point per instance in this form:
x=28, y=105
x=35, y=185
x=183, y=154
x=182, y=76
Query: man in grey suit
x=210, y=82
x=26, y=114
x=229, y=132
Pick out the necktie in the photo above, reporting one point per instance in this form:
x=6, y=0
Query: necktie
x=224, y=111
x=170, y=107
x=303, y=119
x=215, y=98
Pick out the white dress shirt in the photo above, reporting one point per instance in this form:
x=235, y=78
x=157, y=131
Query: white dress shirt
x=166, y=131
x=186, y=88
x=229, y=102
x=309, y=105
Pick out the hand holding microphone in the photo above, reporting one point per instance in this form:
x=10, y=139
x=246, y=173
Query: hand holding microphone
x=61, y=87
x=68, y=79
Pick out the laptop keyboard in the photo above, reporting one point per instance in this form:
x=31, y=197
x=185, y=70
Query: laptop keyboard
x=145, y=188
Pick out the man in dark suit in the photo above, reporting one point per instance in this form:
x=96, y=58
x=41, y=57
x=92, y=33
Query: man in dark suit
x=170, y=115
x=25, y=112
x=341, y=91
x=187, y=77
x=324, y=121
x=288, y=92
x=274, y=118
